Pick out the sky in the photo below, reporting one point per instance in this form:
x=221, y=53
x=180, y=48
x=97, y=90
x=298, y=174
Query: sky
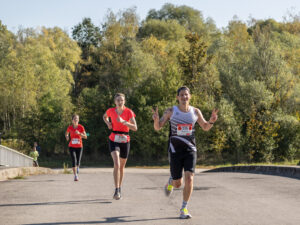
x=68, y=13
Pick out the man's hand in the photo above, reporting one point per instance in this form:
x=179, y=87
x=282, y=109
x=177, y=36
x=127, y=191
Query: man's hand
x=214, y=116
x=155, y=115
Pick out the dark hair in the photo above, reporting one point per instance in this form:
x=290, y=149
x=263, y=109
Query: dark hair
x=118, y=95
x=74, y=116
x=183, y=88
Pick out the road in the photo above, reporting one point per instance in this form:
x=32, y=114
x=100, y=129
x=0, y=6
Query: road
x=218, y=199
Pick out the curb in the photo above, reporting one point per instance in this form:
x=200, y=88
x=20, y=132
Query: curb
x=11, y=173
x=285, y=171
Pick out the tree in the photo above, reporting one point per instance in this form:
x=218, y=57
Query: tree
x=88, y=37
x=38, y=78
x=188, y=17
x=168, y=30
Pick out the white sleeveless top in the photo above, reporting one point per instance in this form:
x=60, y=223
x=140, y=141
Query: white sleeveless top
x=182, y=128
x=183, y=123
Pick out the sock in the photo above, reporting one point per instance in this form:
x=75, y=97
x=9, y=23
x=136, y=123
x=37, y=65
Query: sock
x=170, y=181
x=184, y=204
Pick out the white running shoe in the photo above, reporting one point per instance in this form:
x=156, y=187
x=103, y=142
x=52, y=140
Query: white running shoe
x=184, y=214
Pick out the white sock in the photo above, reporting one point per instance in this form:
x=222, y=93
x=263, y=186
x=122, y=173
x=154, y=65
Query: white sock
x=184, y=204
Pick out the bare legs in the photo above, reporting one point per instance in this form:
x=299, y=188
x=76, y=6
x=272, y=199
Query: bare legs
x=119, y=165
x=188, y=185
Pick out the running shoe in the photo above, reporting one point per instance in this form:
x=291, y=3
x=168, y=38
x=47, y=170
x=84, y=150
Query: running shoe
x=168, y=189
x=184, y=214
x=76, y=178
x=117, y=194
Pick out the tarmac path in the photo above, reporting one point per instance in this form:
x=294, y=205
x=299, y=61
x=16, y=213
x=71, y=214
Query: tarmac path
x=218, y=199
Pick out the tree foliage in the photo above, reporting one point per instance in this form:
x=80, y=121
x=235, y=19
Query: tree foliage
x=250, y=72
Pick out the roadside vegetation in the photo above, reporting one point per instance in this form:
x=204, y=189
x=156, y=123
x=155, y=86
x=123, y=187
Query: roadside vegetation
x=249, y=71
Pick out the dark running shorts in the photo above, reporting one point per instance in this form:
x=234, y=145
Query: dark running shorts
x=75, y=154
x=183, y=158
x=123, y=148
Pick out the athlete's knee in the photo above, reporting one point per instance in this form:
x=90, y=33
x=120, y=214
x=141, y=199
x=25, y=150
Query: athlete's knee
x=189, y=177
x=177, y=183
x=122, y=167
x=189, y=180
x=117, y=165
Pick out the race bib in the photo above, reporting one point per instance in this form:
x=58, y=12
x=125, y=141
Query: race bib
x=120, y=138
x=75, y=141
x=184, y=129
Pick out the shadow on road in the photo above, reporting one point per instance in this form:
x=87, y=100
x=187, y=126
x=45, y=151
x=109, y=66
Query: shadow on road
x=95, y=201
x=33, y=181
x=177, y=189
x=202, y=188
x=119, y=219
x=249, y=178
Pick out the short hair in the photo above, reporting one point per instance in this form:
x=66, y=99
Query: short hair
x=183, y=88
x=118, y=95
x=74, y=116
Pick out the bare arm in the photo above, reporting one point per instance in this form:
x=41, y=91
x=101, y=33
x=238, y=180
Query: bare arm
x=67, y=135
x=131, y=124
x=206, y=125
x=83, y=134
x=105, y=118
x=159, y=123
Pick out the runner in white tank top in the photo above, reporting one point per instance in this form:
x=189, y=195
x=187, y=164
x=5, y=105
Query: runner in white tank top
x=182, y=127
x=182, y=146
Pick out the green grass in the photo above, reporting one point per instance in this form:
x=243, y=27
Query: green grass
x=19, y=177
x=66, y=169
x=59, y=162
x=101, y=161
x=106, y=161
x=215, y=165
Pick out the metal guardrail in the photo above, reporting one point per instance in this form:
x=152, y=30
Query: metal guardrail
x=13, y=158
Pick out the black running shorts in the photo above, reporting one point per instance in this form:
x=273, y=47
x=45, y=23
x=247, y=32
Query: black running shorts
x=122, y=147
x=75, y=154
x=181, y=158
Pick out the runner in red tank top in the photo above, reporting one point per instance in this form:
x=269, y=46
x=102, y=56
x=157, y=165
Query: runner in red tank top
x=74, y=134
x=122, y=119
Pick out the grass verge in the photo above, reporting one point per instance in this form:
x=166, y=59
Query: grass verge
x=105, y=161
x=19, y=177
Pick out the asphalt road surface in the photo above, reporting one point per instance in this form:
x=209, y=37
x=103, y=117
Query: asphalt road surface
x=218, y=199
